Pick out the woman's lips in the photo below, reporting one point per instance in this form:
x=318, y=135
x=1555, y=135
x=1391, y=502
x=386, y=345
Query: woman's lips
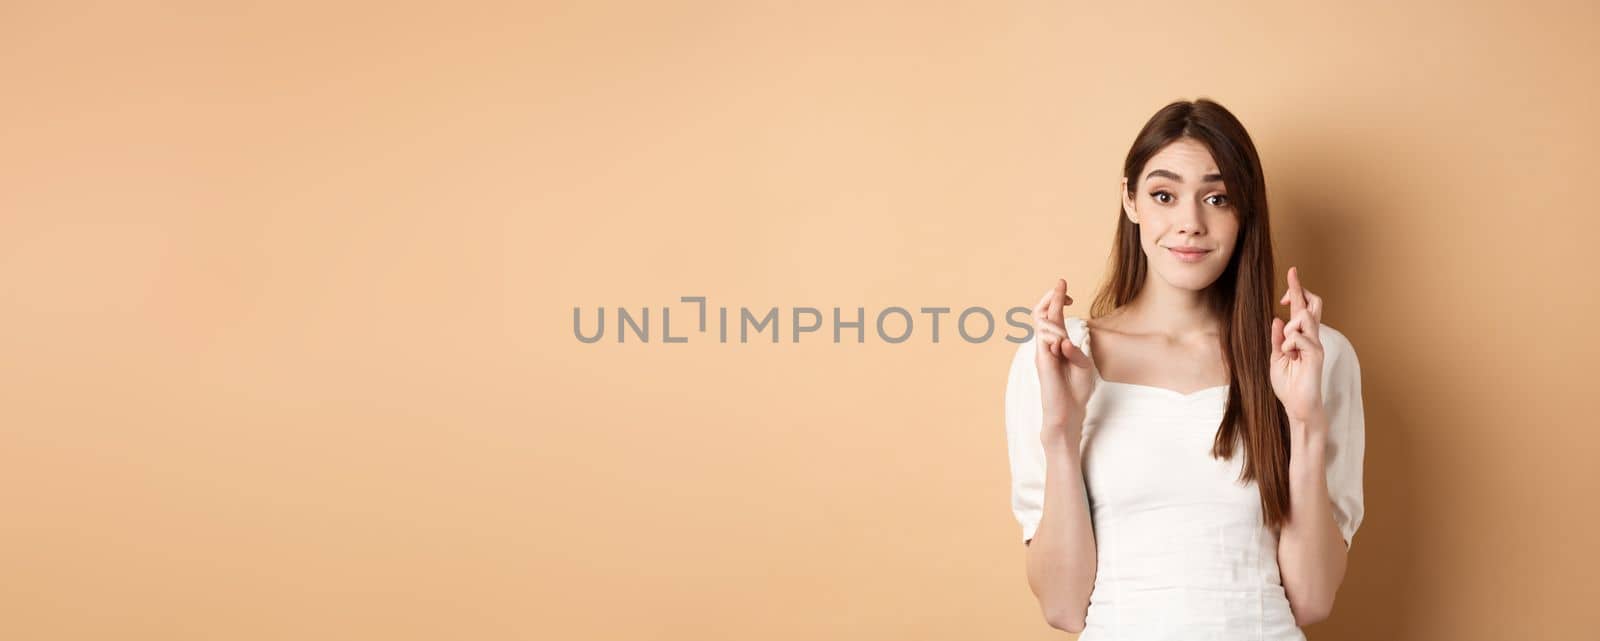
x=1190, y=256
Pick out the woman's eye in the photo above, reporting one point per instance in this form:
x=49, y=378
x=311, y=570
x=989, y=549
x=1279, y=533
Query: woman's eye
x=1218, y=200
x=1162, y=197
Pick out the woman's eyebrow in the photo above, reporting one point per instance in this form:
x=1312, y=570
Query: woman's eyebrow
x=1208, y=178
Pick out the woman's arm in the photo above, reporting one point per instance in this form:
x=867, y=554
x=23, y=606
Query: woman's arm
x=1317, y=377
x=1061, y=555
x=1046, y=403
x=1311, y=551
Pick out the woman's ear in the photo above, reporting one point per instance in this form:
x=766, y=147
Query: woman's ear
x=1127, y=203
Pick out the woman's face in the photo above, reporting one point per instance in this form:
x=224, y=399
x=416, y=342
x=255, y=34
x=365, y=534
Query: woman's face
x=1181, y=203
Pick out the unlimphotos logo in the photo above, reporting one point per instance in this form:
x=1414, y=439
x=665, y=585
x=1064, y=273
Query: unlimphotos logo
x=893, y=324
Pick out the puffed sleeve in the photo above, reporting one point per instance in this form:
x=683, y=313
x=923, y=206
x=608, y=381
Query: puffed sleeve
x=1341, y=394
x=1024, y=418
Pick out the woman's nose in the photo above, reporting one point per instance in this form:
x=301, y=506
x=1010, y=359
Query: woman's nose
x=1189, y=219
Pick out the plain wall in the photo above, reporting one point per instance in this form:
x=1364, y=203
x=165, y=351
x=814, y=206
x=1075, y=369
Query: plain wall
x=287, y=297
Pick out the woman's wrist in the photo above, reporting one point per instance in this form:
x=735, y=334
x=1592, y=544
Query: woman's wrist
x=1309, y=430
x=1064, y=434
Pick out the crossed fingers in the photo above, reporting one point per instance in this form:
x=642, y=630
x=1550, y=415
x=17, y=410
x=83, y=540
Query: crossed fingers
x=1047, y=318
x=1305, y=312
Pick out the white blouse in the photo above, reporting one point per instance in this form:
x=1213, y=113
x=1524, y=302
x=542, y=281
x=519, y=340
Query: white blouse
x=1183, y=551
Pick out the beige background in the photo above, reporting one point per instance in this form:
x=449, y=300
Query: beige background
x=287, y=294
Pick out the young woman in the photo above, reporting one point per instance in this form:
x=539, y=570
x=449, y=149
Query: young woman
x=1185, y=464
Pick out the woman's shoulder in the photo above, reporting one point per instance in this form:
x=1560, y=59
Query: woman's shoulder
x=1335, y=343
x=1077, y=329
x=1341, y=370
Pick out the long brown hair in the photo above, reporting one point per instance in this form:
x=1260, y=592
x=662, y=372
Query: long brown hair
x=1241, y=296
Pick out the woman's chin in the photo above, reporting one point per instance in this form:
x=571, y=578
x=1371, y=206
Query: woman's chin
x=1190, y=279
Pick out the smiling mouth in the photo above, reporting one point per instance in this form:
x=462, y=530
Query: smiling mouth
x=1189, y=255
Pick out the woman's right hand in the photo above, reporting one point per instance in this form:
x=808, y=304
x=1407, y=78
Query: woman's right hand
x=1066, y=374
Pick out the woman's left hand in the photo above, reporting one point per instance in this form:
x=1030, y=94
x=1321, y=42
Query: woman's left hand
x=1297, y=354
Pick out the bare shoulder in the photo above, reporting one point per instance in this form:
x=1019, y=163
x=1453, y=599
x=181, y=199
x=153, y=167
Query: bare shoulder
x=1111, y=322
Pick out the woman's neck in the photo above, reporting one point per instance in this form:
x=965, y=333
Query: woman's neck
x=1160, y=308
